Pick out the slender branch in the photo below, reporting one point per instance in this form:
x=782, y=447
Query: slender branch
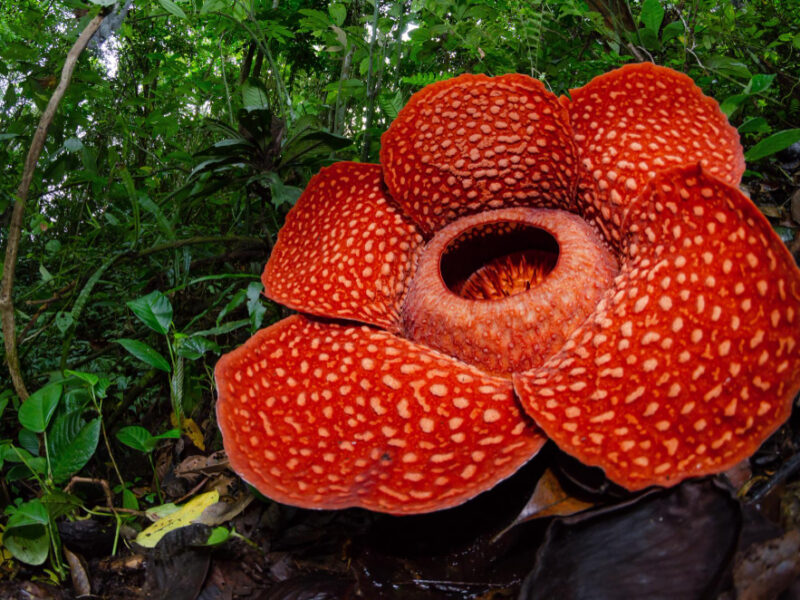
x=15, y=227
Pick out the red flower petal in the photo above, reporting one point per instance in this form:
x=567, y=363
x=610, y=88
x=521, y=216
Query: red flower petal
x=691, y=360
x=473, y=143
x=637, y=121
x=323, y=415
x=344, y=252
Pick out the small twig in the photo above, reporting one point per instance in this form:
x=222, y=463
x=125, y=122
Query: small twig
x=94, y=481
x=782, y=474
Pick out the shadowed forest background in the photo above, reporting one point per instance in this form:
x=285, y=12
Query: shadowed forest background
x=188, y=130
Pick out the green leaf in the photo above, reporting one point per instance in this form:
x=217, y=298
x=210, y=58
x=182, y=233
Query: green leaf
x=161, y=219
x=254, y=95
x=29, y=513
x=64, y=321
x=89, y=378
x=212, y=5
x=338, y=13
x=129, y=500
x=772, y=144
x=73, y=144
x=732, y=103
x=254, y=306
x=652, y=15
x=172, y=8
x=759, y=83
x=234, y=303
x=671, y=31
x=138, y=438
x=218, y=536
x=154, y=310
x=145, y=353
x=195, y=346
x=281, y=193
x=73, y=443
x=28, y=543
x=35, y=413
x=60, y=503
x=26, y=535
x=755, y=125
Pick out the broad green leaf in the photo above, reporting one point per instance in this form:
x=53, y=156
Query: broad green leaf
x=137, y=437
x=154, y=310
x=728, y=66
x=29, y=513
x=731, y=103
x=172, y=8
x=759, y=83
x=73, y=144
x=671, y=31
x=60, y=503
x=145, y=353
x=26, y=535
x=28, y=543
x=338, y=13
x=254, y=95
x=218, y=536
x=772, y=144
x=104, y=2
x=755, y=125
x=129, y=500
x=254, y=306
x=35, y=413
x=212, y=6
x=89, y=378
x=29, y=440
x=652, y=15
x=72, y=449
x=64, y=321
x=281, y=193
x=195, y=346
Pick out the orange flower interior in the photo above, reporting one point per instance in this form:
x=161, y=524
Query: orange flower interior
x=519, y=268
x=510, y=332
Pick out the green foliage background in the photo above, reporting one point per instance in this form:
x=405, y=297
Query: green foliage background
x=187, y=135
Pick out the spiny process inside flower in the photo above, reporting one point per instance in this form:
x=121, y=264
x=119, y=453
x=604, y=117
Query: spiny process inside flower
x=519, y=268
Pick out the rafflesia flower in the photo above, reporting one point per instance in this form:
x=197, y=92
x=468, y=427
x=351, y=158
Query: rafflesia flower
x=518, y=268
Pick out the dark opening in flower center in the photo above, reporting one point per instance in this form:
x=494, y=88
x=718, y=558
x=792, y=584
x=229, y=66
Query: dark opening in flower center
x=496, y=260
x=504, y=289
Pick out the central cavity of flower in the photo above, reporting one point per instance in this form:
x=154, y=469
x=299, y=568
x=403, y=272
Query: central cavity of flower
x=498, y=259
x=504, y=289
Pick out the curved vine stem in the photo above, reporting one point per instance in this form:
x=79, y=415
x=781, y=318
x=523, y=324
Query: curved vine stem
x=15, y=227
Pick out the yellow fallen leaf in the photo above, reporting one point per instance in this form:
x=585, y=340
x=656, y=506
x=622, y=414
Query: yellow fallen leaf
x=191, y=430
x=185, y=515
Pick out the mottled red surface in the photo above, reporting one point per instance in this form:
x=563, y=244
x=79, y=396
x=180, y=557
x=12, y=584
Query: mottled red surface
x=474, y=143
x=662, y=345
x=690, y=360
x=354, y=416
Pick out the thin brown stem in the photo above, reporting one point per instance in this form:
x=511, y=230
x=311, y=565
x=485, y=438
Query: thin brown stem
x=15, y=227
